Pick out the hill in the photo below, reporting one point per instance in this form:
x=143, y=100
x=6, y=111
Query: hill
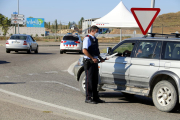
x=165, y=23
x=169, y=19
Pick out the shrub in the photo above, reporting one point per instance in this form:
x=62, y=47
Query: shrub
x=42, y=34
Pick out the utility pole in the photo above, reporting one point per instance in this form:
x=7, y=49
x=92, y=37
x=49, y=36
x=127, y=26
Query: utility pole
x=152, y=6
x=18, y=14
x=60, y=30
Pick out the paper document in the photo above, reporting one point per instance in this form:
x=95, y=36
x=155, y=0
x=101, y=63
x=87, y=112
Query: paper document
x=112, y=55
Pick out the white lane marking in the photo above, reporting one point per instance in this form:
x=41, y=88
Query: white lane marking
x=6, y=76
x=33, y=74
x=70, y=69
x=51, y=72
x=53, y=105
x=59, y=83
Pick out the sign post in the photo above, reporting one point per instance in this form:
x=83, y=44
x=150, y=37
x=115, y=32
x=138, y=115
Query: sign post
x=145, y=17
x=17, y=19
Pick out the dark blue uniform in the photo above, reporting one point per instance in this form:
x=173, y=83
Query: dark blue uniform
x=91, y=69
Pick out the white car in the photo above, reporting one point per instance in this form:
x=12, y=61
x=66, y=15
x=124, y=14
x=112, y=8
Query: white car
x=21, y=42
x=71, y=43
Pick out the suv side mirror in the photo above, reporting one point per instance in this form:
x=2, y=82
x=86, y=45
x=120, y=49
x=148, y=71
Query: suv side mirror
x=109, y=50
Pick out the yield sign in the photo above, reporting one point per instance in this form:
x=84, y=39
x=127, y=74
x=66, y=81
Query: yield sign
x=145, y=17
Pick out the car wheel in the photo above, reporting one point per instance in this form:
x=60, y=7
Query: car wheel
x=36, y=51
x=7, y=51
x=165, y=96
x=82, y=82
x=29, y=51
x=61, y=52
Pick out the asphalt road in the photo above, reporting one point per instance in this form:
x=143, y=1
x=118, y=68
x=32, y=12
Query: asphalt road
x=39, y=87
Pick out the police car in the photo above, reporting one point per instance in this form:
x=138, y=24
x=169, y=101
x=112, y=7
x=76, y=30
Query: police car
x=71, y=43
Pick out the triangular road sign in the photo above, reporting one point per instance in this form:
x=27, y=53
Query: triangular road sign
x=145, y=17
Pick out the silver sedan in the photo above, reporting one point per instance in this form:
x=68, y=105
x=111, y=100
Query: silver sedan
x=21, y=42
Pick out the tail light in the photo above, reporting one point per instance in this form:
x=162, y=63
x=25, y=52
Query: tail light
x=63, y=41
x=7, y=42
x=76, y=41
x=25, y=43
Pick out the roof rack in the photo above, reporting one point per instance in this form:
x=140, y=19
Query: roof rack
x=177, y=35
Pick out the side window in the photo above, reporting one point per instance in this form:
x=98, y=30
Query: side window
x=32, y=39
x=145, y=49
x=172, y=51
x=124, y=49
x=157, y=52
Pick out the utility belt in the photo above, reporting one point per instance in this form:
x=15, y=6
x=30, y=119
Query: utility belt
x=88, y=60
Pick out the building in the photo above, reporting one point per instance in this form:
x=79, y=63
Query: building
x=39, y=31
x=87, y=24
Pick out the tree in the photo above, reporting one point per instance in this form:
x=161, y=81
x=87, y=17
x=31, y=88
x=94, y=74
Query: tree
x=49, y=25
x=46, y=24
x=56, y=27
x=5, y=23
x=80, y=23
x=30, y=17
x=69, y=25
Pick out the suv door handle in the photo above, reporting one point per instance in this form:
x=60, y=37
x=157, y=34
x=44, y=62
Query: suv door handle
x=125, y=62
x=152, y=64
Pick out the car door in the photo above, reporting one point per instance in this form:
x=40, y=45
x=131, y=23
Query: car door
x=33, y=43
x=144, y=63
x=115, y=70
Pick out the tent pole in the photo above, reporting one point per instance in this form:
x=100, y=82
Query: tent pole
x=120, y=35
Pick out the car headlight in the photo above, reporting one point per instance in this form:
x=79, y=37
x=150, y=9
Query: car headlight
x=79, y=62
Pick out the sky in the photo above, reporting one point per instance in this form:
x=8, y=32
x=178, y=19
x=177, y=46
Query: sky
x=73, y=10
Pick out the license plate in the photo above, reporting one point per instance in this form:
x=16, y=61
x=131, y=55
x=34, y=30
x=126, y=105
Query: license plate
x=15, y=42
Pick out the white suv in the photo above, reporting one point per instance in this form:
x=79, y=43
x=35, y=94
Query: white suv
x=148, y=66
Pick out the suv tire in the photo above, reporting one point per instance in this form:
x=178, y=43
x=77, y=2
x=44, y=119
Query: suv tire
x=165, y=96
x=82, y=82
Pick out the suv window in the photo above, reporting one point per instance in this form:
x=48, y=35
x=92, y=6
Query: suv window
x=70, y=38
x=18, y=37
x=124, y=49
x=172, y=51
x=145, y=49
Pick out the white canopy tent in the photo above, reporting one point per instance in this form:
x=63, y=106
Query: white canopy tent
x=119, y=17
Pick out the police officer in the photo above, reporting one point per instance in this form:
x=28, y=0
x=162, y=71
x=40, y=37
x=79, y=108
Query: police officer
x=91, y=54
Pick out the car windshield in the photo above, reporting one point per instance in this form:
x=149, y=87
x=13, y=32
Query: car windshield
x=18, y=37
x=70, y=38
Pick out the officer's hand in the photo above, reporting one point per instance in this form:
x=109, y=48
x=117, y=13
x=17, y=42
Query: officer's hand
x=102, y=60
x=95, y=60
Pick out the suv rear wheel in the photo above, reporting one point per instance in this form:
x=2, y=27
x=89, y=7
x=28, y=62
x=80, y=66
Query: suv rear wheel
x=165, y=96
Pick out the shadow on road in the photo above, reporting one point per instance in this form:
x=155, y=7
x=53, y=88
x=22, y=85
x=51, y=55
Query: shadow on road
x=74, y=53
x=34, y=53
x=129, y=99
x=5, y=83
x=3, y=62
